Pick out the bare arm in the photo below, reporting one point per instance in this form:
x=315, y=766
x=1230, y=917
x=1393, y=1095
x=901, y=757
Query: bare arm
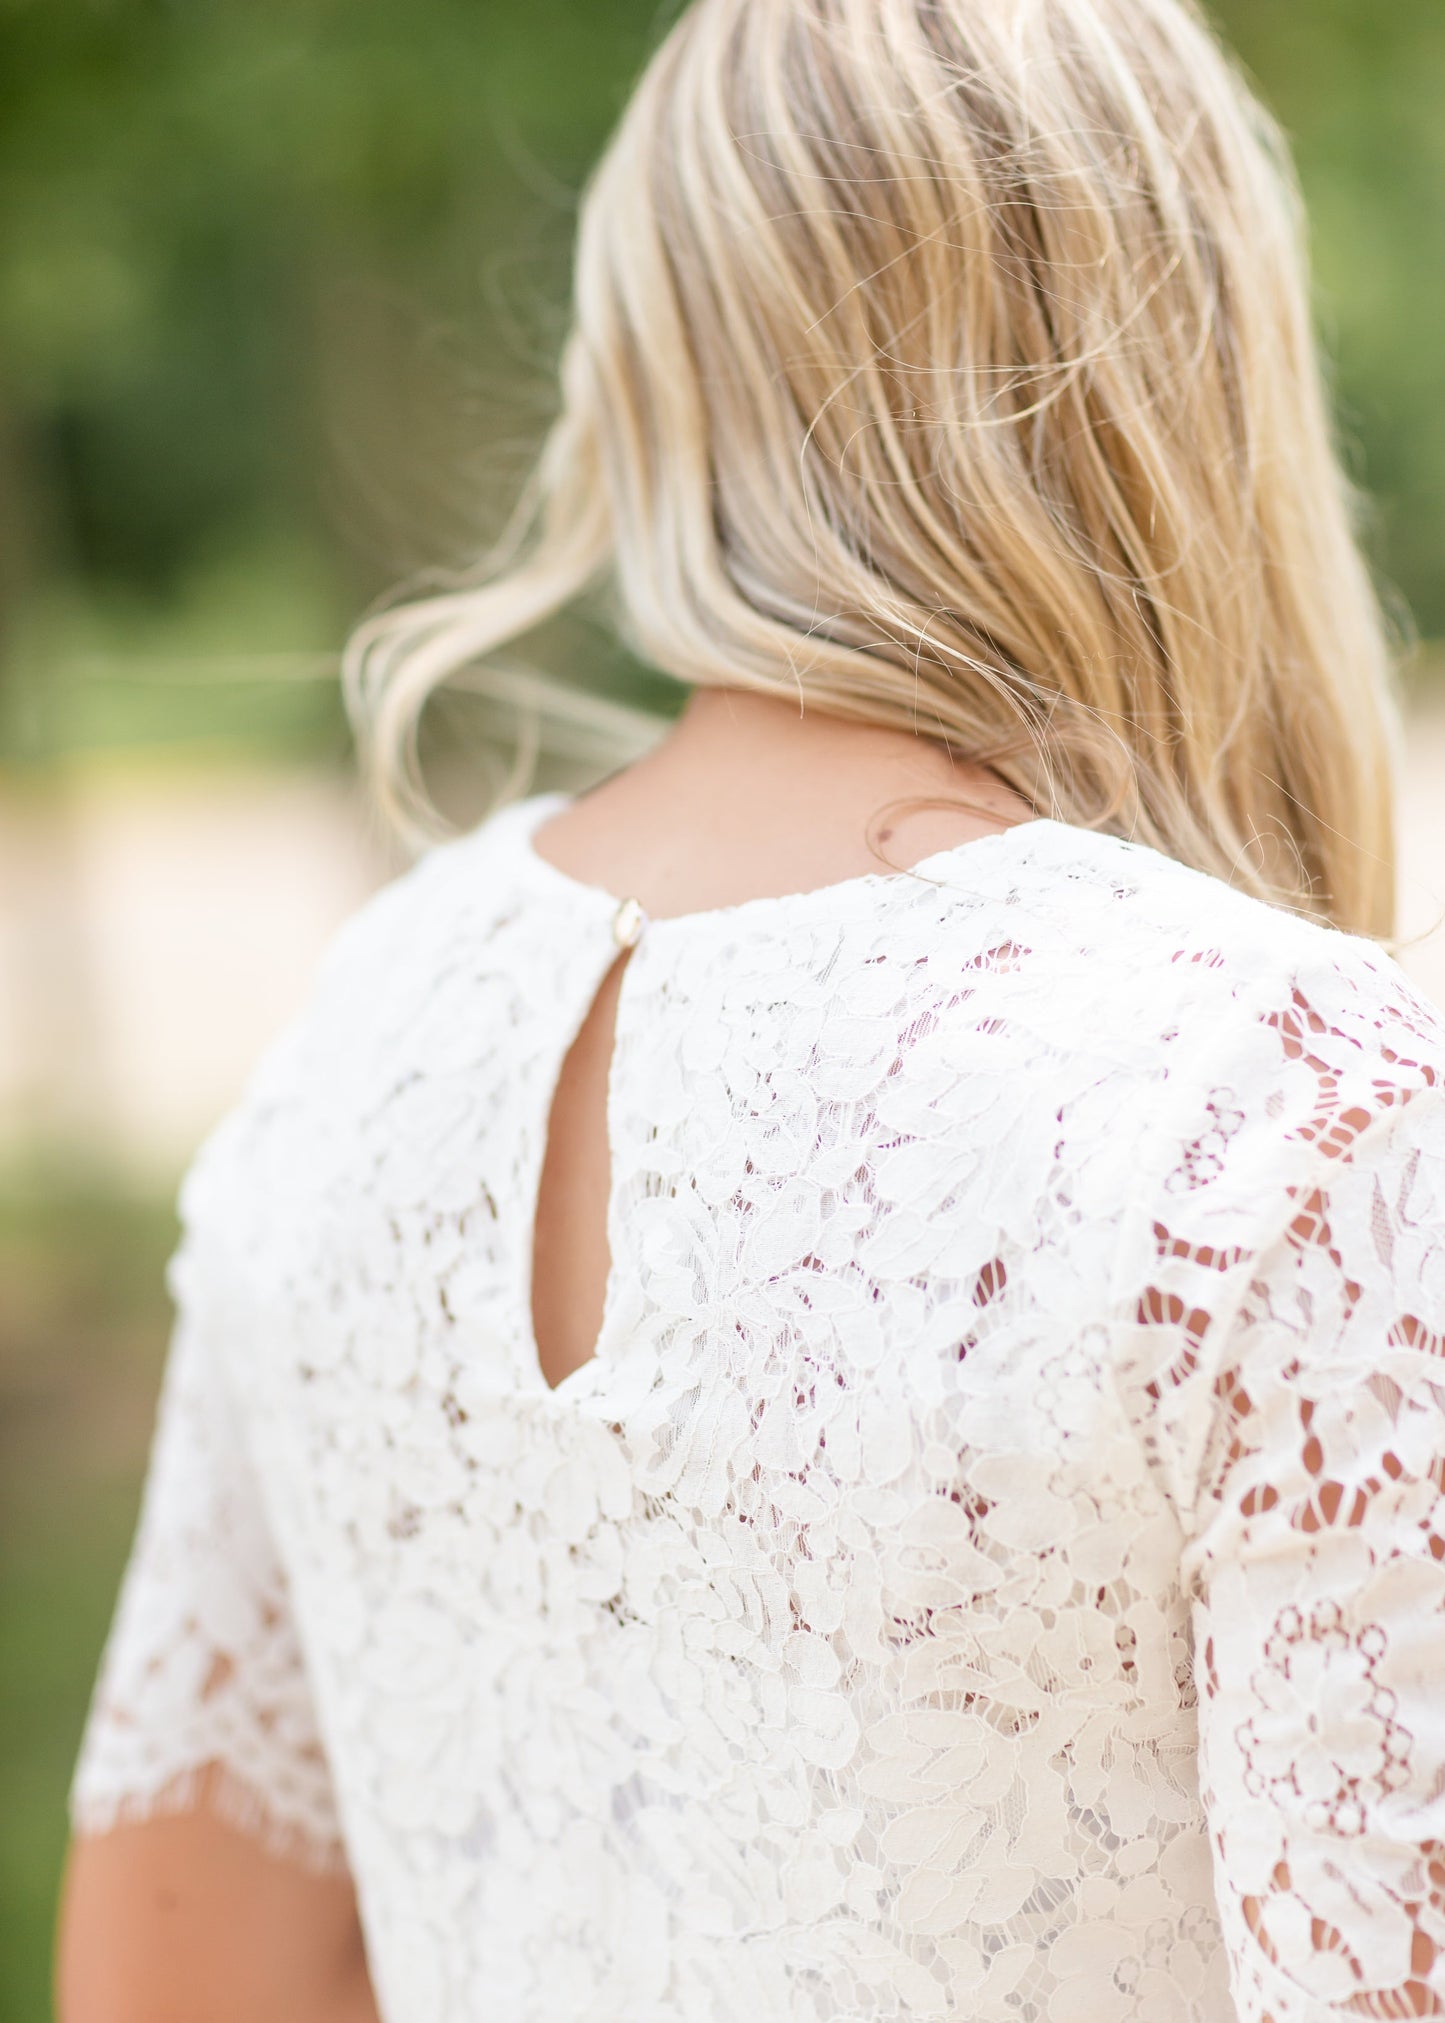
x=183, y=1919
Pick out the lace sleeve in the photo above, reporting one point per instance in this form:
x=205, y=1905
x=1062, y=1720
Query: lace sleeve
x=202, y=1700
x=1315, y=1553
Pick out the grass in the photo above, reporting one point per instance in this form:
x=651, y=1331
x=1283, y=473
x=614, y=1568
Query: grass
x=82, y=1333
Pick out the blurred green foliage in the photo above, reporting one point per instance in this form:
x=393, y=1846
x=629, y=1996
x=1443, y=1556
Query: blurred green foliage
x=83, y=1324
x=1360, y=88
x=281, y=282
x=279, y=288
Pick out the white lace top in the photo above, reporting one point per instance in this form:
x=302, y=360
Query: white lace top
x=994, y=1565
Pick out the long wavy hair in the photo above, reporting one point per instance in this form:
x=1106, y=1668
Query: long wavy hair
x=948, y=365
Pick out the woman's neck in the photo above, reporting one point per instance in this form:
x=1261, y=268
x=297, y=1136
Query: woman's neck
x=750, y=796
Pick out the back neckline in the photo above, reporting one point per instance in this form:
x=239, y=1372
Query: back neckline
x=528, y=816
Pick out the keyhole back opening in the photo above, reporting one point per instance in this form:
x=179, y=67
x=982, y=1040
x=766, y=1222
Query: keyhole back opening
x=571, y=1255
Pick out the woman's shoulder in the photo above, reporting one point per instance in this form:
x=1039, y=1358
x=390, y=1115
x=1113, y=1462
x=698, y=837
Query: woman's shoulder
x=1222, y=1047
x=456, y=884
x=1099, y=943
x=1258, y=1050
x=1152, y=946
x=1278, y=1176
x=375, y=978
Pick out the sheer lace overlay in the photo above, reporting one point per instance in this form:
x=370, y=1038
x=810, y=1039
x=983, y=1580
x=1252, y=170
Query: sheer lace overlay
x=993, y=1566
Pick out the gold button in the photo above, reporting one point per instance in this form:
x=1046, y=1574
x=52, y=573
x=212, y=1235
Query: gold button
x=627, y=924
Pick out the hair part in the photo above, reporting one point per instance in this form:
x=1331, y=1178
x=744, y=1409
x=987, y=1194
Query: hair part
x=948, y=365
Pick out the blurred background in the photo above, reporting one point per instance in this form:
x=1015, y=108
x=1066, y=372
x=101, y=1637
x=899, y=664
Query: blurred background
x=280, y=290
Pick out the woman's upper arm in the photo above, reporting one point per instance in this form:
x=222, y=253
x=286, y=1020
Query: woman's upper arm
x=202, y=1804
x=207, y=1855
x=203, y=1669
x=184, y=1916
x=1316, y=1564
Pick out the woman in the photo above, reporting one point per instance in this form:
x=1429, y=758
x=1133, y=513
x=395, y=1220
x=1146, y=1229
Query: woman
x=813, y=1387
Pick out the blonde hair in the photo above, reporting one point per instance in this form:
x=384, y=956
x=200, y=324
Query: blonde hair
x=948, y=365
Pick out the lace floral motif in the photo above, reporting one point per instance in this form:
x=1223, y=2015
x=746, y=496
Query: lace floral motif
x=994, y=1565
x=1354, y=1752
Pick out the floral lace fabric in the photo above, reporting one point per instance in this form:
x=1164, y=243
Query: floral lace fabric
x=994, y=1564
